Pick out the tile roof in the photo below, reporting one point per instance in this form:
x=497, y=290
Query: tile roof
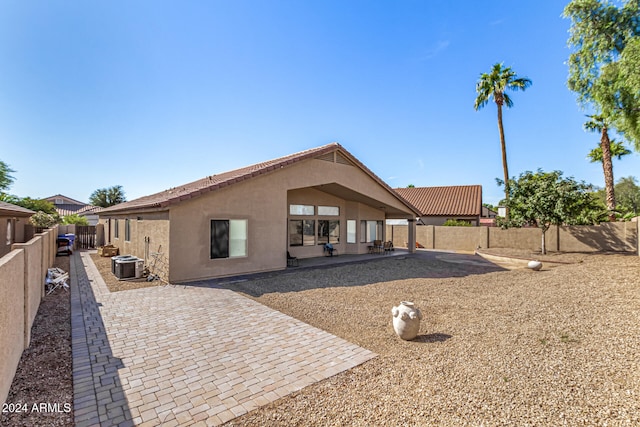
x=214, y=182
x=11, y=209
x=69, y=209
x=458, y=200
x=68, y=200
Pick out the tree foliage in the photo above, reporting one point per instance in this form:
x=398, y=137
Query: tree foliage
x=43, y=219
x=105, y=197
x=36, y=205
x=6, y=179
x=456, y=223
x=617, y=148
x=543, y=199
x=628, y=197
x=75, y=219
x=604, y=67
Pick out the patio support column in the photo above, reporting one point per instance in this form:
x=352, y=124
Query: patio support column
x=411, y=235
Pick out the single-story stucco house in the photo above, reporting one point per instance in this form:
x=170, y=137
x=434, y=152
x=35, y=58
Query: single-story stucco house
x=439, y=204
x=12, y=225
x=246, y=220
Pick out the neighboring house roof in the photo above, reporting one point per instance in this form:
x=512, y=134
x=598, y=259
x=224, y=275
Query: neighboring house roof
x=82, y=210
x=65, y=199
x=9, y=209
x=458, y=200
x=214, y=182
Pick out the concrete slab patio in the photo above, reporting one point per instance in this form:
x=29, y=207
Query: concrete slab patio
x=185, y=355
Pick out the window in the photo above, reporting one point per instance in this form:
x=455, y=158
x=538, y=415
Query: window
x=9, y=232
x=228, y=238
x=116, y=229
x=370, y=231
x=302, y=210
x=351, y=231
x=329, y=210
x=127, y=230
x=328, y=231
x=302, y=232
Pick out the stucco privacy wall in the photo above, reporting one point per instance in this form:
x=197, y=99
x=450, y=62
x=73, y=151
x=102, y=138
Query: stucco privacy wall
x=11, y=317
x=34, y=253
x=616, y=237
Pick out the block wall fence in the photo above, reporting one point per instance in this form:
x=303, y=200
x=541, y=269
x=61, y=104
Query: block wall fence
x=22, y=277
x=610, y=237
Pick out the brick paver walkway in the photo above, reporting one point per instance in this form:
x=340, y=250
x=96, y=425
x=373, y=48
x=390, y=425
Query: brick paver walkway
x=180, y=355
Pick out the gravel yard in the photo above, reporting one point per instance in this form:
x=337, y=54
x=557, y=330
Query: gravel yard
x=555, y=347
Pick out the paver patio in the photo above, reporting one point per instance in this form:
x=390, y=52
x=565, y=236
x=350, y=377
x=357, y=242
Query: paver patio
x=183, y=355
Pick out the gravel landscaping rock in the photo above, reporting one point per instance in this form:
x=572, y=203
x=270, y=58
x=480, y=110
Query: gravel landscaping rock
x=556, y=347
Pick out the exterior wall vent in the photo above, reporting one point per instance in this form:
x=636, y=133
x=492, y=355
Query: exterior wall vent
x=343, y=160
x=326, y=157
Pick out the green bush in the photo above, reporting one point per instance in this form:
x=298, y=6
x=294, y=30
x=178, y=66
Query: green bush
x=75, y=219
x=456, y=223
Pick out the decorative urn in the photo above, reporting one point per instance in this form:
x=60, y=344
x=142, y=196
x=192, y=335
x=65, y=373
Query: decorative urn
x=406, y=320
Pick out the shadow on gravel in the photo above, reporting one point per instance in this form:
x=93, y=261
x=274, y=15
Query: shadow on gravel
x=431, y=338
x=414, y=266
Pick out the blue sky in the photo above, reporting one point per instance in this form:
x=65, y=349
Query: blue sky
x=154, y=94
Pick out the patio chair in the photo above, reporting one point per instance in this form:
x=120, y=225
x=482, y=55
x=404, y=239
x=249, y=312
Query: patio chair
x=387, y=247
x=291, y=260
x=330, y=250
x=377, y=246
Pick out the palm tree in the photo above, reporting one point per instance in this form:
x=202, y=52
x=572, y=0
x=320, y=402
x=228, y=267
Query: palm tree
x=599, y=123
x=105, y=197
x=494, y=85
x=618, y=150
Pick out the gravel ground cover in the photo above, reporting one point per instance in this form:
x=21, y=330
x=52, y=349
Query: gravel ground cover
x=550, y=348
x=41, y=393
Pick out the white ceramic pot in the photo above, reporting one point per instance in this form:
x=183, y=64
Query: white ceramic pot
x=534, y=265
x=406, y=320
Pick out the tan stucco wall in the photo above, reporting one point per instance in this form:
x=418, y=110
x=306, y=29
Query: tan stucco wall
x=616, y=237
x=522, y=238
x=34, y=254
x=4, y=247
x=258, y=201
x=152, y=225
x=11, y=317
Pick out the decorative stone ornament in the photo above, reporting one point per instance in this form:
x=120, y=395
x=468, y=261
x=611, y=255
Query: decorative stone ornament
x=534, y=265
x=406, y=320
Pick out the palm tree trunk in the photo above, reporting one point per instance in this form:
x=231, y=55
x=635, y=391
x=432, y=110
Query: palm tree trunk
x=607, y=167
x=505, y=169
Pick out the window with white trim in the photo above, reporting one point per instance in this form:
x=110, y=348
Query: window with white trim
x=351, y=231
x=228, y=238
